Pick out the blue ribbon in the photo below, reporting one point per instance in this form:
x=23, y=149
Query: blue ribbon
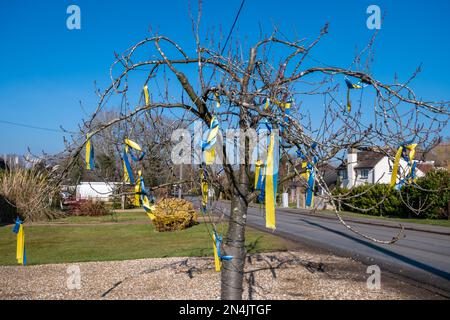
x=218, y=245
x=17, y=225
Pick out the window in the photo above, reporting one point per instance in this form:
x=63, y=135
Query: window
x=364, y=173
x=343, y=174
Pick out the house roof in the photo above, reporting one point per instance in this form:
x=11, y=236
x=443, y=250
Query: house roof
x=368, y=159
x=326, y=170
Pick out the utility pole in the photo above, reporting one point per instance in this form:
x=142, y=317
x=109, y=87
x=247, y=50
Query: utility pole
x=179, y=185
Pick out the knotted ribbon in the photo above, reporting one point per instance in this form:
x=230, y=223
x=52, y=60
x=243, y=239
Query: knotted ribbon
x=141, y=198
x=402, y=152
x=128, y=150
x=351, y=86
x=218, y=257
x=208, y=146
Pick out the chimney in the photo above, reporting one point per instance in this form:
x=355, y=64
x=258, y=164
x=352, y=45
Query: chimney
x=352, y=160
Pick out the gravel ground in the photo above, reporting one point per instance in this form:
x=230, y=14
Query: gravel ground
x=281, y=275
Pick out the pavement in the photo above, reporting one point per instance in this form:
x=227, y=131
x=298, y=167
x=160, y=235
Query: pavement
x=423, y=256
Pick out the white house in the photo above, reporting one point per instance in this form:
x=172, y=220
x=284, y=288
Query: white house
x=95, y=190
x=363, y=167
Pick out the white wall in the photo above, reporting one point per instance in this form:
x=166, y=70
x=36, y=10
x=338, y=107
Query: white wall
x=379, y=174
x=352, y=161
x=95, y=190
x=383, y=166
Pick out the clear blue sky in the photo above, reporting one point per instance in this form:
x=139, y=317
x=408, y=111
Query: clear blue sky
x=46, y=69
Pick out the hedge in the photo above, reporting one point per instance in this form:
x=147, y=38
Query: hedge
x=431, y=194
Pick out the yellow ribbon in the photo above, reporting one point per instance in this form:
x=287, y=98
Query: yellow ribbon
x=205, y=187
x=267, y=104
x=132, y=144
x=146, y=95
x=306, y=173
x=270, y=188
x=216, y=97
x=284, y=105
x=20, y=245
x=138, y=190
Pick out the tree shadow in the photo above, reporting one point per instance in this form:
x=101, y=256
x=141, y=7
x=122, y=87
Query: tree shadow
x=274, y=263
x=412, y=262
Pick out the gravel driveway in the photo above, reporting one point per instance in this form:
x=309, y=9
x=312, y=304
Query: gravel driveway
x=282, y=275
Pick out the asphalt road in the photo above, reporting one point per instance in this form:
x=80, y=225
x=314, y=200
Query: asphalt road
x=421, y=256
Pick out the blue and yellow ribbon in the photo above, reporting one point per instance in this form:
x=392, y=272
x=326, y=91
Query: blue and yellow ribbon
x=350, y=86
x=309, y=175
x=266, y=103
x=141, y=198
x=21, y=254
x=89, y=158
x=259, y=174
x=128, y=150
x=406, y=151
x=208, y=146
x=271, y=177
x=310, y=189
x=218, y=257
x=286, y=108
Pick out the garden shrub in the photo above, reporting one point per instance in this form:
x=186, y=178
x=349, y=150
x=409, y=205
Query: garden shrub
x=370, y=198
x=88, y=208
x=174, y=214
x=432, y=194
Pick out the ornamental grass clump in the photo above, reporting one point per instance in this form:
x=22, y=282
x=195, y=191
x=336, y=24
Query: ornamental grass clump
x=173, y=214
x=30, y=192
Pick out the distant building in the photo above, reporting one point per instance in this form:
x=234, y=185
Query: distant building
x=369, y=167
x=96, y=190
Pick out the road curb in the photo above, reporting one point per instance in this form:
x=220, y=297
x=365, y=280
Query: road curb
x=392, y=224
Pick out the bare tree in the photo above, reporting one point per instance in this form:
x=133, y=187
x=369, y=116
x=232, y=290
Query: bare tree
x=275, y=70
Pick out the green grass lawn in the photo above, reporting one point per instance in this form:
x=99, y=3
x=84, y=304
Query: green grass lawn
x=102, y=242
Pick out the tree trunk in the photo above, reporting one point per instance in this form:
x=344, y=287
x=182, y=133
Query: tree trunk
x=233, y=270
